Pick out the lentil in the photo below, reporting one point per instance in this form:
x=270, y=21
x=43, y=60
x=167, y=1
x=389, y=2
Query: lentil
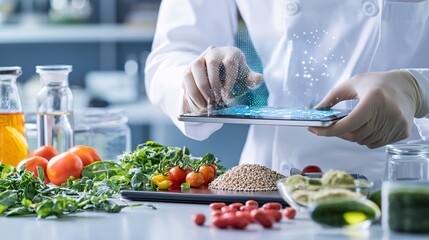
x=248, y=178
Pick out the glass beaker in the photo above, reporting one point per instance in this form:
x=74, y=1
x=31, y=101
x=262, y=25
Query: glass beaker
x=14, y=146
x=106, y=130
x=407, y=162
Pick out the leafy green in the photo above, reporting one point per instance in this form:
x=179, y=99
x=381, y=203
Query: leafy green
x=22, y=194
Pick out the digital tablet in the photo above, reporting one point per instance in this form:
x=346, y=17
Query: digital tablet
x=266, y=115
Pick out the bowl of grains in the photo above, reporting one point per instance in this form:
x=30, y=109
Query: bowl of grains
x=247, y=178
x=303, y=193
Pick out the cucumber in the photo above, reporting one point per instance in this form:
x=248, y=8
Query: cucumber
x=344, y=212
x=376, y=197
x=409, y=210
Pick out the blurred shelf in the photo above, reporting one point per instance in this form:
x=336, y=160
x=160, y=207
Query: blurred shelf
x=74, y=33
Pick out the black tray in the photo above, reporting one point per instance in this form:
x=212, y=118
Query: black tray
x=203, y=196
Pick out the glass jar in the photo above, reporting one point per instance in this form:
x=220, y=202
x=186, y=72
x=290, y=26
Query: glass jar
x=14, y=146
x=405, y=206
x=55, y=122
x=407, y=162
x=106, y=130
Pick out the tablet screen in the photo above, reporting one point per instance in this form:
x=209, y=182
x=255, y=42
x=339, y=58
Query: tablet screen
x=267, y=116
x=276, y=113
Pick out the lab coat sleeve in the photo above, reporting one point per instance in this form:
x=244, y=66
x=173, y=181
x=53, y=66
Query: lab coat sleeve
x=422, y=78
x=185, y=28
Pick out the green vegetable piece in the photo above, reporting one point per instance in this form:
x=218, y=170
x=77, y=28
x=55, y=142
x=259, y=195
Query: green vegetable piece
x=376, y=197
x=185, y=187
x=344, y=212
x=7, y=199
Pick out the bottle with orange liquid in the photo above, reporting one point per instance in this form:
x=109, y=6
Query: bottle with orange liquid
x=13, y=143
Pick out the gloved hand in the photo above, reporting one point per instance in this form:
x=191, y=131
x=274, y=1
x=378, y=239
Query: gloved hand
x=388, y=102
x=217, y=77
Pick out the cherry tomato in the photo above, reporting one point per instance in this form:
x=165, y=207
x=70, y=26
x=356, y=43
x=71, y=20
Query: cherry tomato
x=63, y=166
x=252, y=203
x=262, y=218
x=220, y=222
x=199, y=219
x=31, y=164
x=208, y=173
x=276, y=216
x=86, y=154
x=272, y=206
x=311, y=169
x=177, y=175
x=46, y=152
x=217, y=205
x=214, y=168
x=195, y=179
x=289, y=213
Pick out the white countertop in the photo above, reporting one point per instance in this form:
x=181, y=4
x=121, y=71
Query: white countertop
x=172, y=222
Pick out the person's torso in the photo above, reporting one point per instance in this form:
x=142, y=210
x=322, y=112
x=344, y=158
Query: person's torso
x=306, y=47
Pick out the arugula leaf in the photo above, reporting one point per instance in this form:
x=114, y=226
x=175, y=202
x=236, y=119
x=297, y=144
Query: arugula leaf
x=7, y=199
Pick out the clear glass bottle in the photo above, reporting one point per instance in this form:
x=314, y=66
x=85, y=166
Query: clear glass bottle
x=14, y=146
x=106, y=130
x=55, y=125
x=407, y=162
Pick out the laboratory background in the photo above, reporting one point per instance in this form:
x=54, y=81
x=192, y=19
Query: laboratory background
x=107, y=43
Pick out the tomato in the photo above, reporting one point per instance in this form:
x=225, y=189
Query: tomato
x=195, y=179
x=46, y=152
x=217, y=205
x=311, y=169
x=31, y=164
x=289, y=213
x=177, y=175
x=262, y=218
x=199, y=219
x=63, y=166
x=87, y=154
x=208, y=173
x=214, y=169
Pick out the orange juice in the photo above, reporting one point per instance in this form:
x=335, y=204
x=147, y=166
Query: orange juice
x=13, y=143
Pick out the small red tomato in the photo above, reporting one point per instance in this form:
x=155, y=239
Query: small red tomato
x=63, y=166
x=195, y=179
x=46, y=152
x=31, y=164
x=214, y=168
x=311, y=169
x=272, y=206
x=199, y=219
x=252, y=203
x=289, y=213
x=177, y=175
x=217, y=205
x=262, y=218
x=86, y=154
x=220, y=222
x=208, y=173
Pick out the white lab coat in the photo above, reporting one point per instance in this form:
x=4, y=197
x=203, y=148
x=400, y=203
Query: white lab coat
x=306, y=47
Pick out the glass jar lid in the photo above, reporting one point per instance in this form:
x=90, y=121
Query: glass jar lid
x=14, y=71
x=408, y=149
x=54, y=68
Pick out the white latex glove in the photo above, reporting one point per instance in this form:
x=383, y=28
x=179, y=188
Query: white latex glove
x=388, y=102
x=217, y=77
